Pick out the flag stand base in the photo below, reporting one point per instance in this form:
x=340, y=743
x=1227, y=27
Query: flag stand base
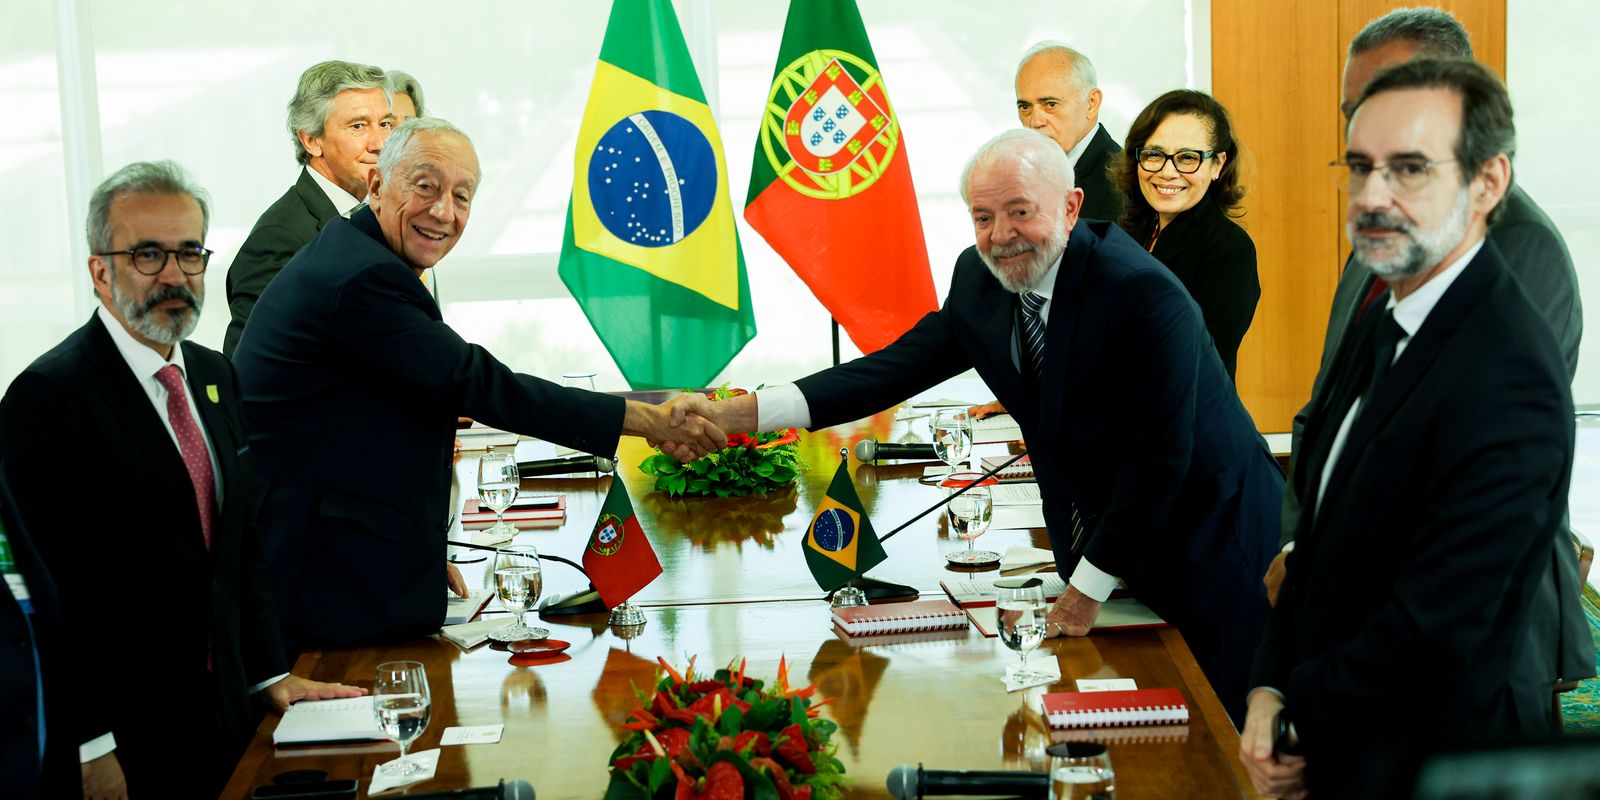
x=879, y=590
x=583, y=601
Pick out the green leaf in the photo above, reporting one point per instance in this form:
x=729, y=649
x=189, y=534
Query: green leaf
x=732, y=722
x=621, y=788
x=660, y=771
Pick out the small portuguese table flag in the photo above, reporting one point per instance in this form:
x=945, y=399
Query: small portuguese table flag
x=618, y=558
x=830, y=188
x=840, y=544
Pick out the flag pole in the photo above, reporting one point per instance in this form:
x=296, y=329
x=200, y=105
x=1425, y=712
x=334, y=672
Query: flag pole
x=835, y=324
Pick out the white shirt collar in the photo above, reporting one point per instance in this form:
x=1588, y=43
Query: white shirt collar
x=342, y=201
x=144, y=362
x=1083, y=144
x=1414, y=309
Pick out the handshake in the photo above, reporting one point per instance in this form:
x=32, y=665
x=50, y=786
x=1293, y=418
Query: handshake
x=690, y=425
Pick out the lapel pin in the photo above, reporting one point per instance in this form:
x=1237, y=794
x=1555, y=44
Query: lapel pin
x=211, y=392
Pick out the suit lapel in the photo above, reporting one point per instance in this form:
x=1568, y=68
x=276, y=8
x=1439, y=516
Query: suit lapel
x=127, y=402
x=1066, y=308
x=316, y=201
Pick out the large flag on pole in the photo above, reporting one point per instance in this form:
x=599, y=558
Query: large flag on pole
x=618, y=558
x=830, y=188
x=840, y=544
x=650, y=251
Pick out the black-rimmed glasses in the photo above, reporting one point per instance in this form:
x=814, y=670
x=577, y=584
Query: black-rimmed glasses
x=151, y=260
x=1404, y=175
x=1185, y=161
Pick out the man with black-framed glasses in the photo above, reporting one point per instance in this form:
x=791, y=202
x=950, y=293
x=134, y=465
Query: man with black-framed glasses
x=124, y=449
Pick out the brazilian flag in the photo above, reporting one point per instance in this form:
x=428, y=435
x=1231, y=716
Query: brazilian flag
x=840, y=544
x=650, y=251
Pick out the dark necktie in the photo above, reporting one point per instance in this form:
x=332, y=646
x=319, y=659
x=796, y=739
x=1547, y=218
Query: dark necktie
x=192, y=445
x=1033, y=330
x=1388, y=337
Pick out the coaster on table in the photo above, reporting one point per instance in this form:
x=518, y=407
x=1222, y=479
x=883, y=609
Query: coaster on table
x=429, y=759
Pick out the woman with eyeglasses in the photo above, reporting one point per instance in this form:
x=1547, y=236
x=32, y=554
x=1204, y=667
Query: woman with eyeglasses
x=1180, y=183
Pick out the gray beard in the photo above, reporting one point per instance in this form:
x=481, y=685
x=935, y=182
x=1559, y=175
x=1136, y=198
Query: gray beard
x=1423, y=248
x=159, y=326
x=1025, y=277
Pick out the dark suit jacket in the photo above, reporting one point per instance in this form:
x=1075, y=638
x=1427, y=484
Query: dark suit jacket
x=131, y=563
x=1216, y=261
x=285, y=227
x=1406, y=612
x=63, y=672
x=352, y=385
x=1101, y=200
x=1135, y=424
x=1537, y=257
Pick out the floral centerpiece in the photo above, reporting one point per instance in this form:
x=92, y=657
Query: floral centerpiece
x=750, y=464
x=726, y=738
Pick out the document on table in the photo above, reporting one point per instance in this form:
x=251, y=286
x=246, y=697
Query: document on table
x=1016, y=494
x=1007, y=518
x=997, y=428
x=472, y=734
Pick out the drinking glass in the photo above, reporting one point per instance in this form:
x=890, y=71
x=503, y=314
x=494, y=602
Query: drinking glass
x=518, y=580
x=578, y=380
x=969, y=514
x=498, y=483
x=1022, y=624
x=401, y=704
x=952, y=436
x=1081, y=771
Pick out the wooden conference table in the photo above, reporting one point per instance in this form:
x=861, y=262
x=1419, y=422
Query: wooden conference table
x=736, y=586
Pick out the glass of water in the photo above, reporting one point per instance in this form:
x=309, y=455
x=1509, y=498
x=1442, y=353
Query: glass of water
x=518, y=580
x=498, y=483
x=970, y=512
x=1081, y=771
x=401, y=703
x=952, y=436
x=1022, y=624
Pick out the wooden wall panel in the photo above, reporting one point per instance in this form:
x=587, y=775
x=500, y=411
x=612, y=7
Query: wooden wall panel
x=1277, y=66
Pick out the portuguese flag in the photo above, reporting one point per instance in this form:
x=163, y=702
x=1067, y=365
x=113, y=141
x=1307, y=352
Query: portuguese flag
x=830, y=189
x=840, y=544
x=618, y=558
x=650, y=251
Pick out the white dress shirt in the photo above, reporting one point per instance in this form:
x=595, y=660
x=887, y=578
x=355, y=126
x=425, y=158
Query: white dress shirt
x=343, y=202
x=1078, y=149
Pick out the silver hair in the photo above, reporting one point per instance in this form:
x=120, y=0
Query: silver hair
x=313, y=97
x=1039, y=152
x=403, y=83
x=399, y=141
x=1435, y=32
x=1082, y=74
x=141, y=177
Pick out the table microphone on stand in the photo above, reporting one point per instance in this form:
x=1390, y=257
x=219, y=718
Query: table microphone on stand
x=869, y=450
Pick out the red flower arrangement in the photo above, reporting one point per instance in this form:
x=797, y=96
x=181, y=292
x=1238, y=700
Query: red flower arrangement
x=726, y=738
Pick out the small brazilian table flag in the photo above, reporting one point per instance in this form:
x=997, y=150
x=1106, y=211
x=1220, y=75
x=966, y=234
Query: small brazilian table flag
x=840, y=544
x=618, y=558
x=650, y=252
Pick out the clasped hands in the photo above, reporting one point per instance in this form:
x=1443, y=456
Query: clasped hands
x=691, y=425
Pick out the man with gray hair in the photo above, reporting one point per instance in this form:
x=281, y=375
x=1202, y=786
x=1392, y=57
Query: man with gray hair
x=1150, y=468
x=159, y=416
x=1058, y=95
x=338, y=119
x=351, y=356
x=406, y=94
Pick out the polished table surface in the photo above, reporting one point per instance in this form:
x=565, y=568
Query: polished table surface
x=735, y=586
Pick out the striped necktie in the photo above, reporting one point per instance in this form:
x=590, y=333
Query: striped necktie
x=1033, y=330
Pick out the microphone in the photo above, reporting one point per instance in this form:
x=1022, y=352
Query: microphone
x=562, y=466
x=507, y=790
x=909, y=783
x=874, y=450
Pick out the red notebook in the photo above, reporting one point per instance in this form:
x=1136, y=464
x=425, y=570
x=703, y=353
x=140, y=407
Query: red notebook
x=532, y=509
x=1113, y=709
x=922, y=615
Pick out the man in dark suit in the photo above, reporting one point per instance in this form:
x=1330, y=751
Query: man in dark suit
x=1435, y=474
x=1058, y=95
x=164, y=558
x=1150, y=468
x=352, y=385
x=38, y=674
x=339, y=117
x=1534, y=252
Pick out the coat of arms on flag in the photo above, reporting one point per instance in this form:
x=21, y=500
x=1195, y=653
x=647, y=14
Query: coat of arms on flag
x=607, y=537
x=839, y=132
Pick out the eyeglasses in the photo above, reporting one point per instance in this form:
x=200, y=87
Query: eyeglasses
x=151, y=260
x=1404, y=175
x=1185, y=161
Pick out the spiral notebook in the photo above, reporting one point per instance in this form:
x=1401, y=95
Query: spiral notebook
x=346, y=719
x=1114, y=709
x=922, y=615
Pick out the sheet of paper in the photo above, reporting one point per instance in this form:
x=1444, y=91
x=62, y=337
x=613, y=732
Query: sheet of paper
x=1020, y=556
x=1016, y=494
x=429, y=759
x=998, y=428
x=472, y=734
x=1106, y=685
x=1008, y=518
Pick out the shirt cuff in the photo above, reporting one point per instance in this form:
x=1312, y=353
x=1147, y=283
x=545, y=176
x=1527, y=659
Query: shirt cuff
x=96, y=747
x=1093, y=582
x=781, y=406
x=1269, y=689
x=268, y=682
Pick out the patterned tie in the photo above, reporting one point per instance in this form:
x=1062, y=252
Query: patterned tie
x=1033, y=330
x=192, y=445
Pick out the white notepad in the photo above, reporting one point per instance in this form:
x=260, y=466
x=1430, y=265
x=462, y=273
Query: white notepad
x=345, y=719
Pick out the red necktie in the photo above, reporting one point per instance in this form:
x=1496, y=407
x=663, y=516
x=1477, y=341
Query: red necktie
x=192, y=445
